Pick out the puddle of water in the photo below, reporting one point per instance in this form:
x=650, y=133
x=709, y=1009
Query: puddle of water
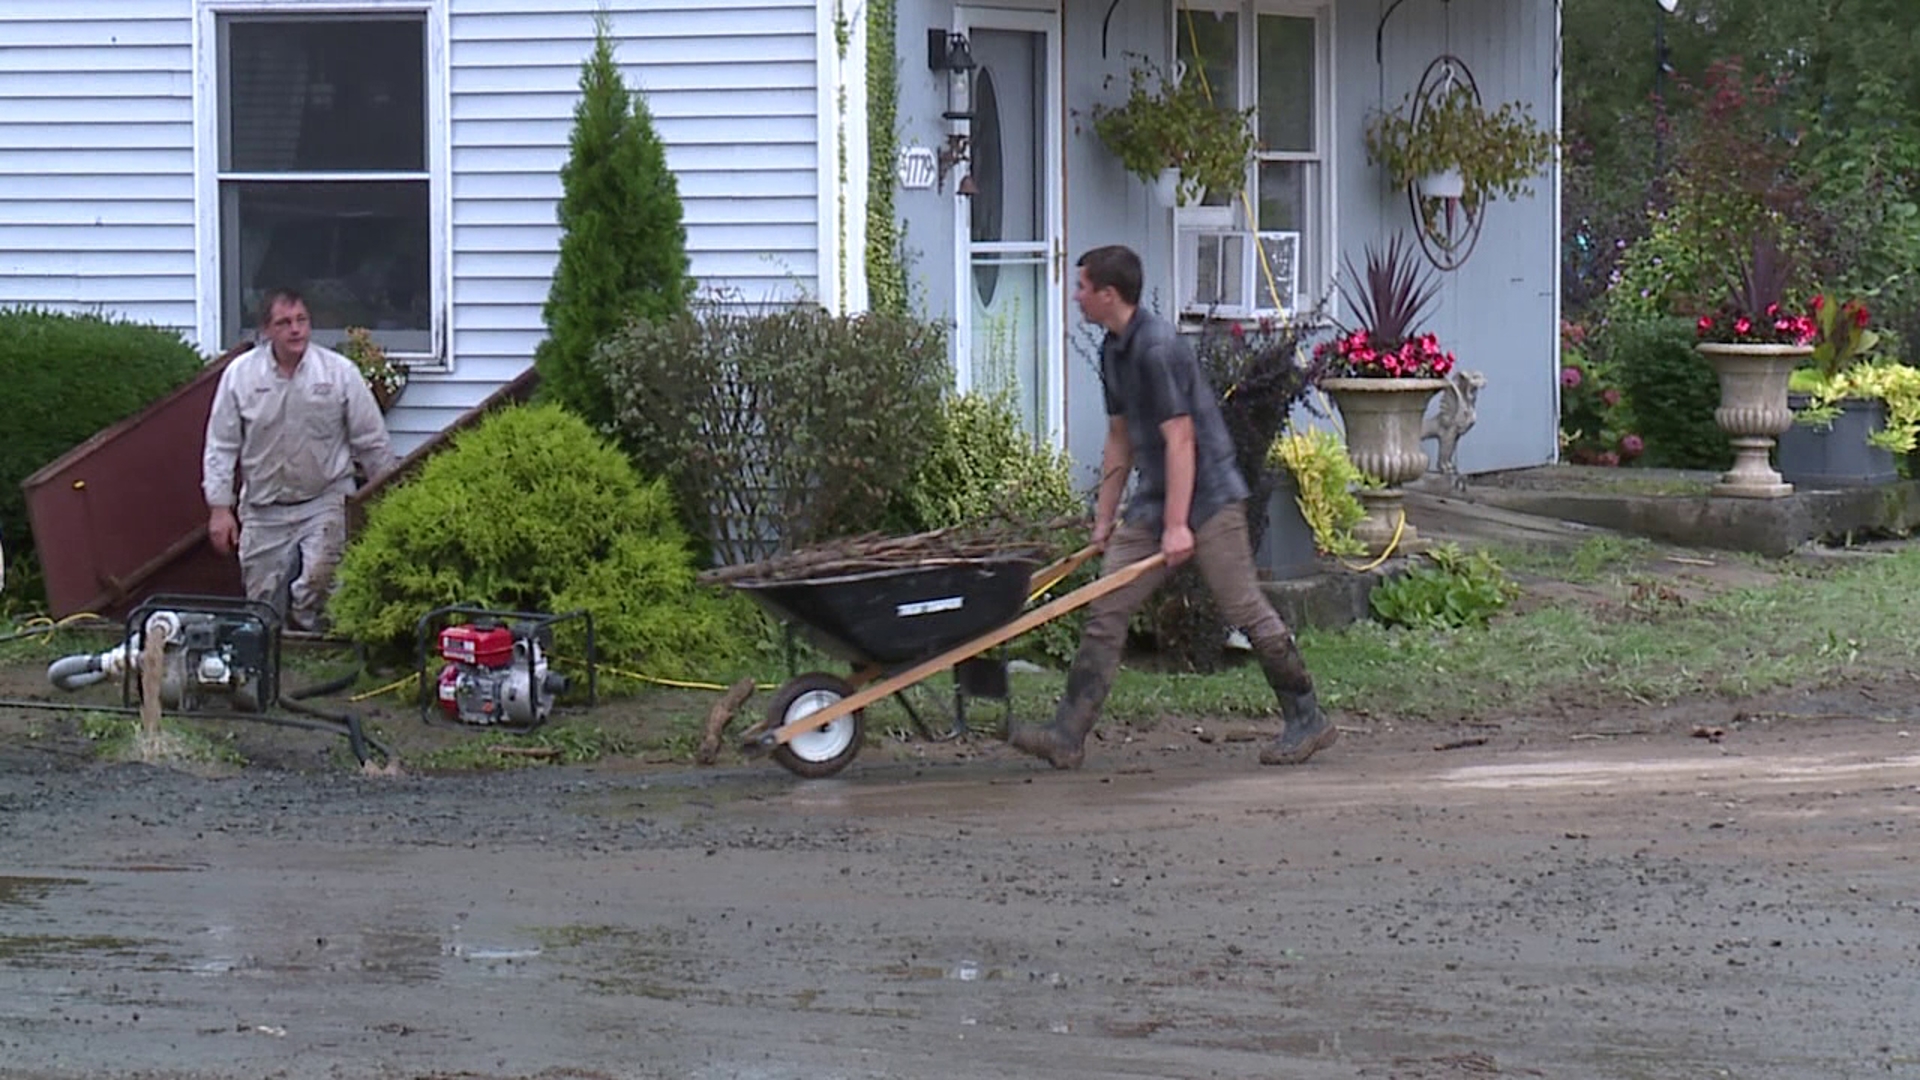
x=492, y=952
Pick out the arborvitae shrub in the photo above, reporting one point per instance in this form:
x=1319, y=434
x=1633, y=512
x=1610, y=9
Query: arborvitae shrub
x=623, y=247
x=66, y=378
x=530, y=510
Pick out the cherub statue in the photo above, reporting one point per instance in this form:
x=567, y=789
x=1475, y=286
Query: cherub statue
x=1454, y=419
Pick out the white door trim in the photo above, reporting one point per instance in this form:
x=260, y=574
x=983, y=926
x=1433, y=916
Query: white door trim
x=1053, y=167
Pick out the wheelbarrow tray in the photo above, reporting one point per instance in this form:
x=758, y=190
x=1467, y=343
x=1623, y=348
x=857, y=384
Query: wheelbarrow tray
x=896, y=615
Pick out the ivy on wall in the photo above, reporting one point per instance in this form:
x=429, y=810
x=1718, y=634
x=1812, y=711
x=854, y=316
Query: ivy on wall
x=842, y=38
x=886, y=278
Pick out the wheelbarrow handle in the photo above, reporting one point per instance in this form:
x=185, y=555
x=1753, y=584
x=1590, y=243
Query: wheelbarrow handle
x=1049, y=576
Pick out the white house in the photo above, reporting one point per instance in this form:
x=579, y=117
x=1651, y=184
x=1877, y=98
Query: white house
x=169, y=160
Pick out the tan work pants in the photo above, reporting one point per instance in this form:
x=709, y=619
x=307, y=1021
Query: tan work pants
x=272, y=537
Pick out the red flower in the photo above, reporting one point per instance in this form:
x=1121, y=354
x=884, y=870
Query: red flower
x=1631, y=446
x=1704, y=326
x=1743, y=326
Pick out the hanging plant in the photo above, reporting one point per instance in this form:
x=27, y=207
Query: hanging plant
x=1170, y=121
x=1493, y=153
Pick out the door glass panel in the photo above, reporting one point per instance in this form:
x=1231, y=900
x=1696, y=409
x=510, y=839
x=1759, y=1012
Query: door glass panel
x=1008, y=226
x=1009, y=337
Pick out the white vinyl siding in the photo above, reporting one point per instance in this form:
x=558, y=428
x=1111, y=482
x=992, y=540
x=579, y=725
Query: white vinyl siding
x=96, y=158
x=733, y=90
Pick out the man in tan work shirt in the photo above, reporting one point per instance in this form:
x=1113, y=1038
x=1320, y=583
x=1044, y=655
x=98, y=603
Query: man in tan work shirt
x=293, y=418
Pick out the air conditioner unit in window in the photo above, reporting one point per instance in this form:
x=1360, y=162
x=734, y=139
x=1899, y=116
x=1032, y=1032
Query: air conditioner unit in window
x=1222, y=271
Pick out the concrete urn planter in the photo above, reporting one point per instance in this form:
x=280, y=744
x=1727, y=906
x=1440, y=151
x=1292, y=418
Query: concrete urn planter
x=1383, y=419
x=1753, y=411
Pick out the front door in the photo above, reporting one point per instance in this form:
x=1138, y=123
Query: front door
x=1011, y=298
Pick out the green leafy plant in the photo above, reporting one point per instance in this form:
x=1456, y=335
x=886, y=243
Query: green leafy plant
x=779, y=428
x=1842, y=336
x=1451, y=589
x=1495, y=152
x=1170, y=121
x=531, y=510
x=1326, y=478
x=1672, y=391
x=623, y=249
x=1896, y=384
x=67, y=378
x=982, y=467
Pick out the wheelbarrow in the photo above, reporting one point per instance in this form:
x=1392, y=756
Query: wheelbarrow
x=897, y=627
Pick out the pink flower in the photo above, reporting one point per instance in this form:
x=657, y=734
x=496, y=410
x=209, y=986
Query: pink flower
x=1570, y=377
x=1705, y=325
x=1607, y=457
x=1819, y=302
x=1743, y=326
x=1610, y=396
x=1631, y=446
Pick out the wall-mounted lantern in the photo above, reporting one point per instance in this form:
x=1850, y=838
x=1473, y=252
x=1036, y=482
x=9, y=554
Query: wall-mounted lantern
x=948, y=51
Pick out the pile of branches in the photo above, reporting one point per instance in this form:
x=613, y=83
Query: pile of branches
x=976, y=542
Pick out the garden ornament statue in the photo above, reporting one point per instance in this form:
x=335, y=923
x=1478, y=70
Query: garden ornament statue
x=1454, y=418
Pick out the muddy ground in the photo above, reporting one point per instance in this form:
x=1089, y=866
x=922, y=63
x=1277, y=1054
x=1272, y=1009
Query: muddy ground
x=1590, y=893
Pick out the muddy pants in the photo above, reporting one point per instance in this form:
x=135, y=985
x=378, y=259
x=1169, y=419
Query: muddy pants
x=1224, y=555
x=274, y=538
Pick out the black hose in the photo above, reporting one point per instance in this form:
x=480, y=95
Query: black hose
x=335, y=685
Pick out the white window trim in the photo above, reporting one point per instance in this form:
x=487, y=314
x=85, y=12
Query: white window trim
x=1309, y=288
x=206, y=137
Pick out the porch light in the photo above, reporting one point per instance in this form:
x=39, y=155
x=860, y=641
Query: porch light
x=949, y=52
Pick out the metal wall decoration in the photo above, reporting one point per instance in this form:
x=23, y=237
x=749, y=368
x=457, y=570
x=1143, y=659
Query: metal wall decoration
x=1448, y=226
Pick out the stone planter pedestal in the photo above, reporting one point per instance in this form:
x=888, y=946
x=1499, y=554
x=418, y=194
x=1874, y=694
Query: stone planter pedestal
x=1753, y=411
x=1382, y=418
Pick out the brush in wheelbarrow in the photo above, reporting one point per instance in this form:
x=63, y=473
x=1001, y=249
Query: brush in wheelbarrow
x=898, y=626
x=878, y=620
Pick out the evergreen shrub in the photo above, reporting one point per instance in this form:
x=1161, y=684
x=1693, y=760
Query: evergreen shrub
x=1673, y=390
x=623, y=248
x=531, y=510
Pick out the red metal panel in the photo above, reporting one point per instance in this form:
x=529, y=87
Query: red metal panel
x=120, y=517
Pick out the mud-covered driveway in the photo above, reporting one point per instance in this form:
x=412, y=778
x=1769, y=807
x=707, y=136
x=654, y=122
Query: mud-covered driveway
x=1643, y=906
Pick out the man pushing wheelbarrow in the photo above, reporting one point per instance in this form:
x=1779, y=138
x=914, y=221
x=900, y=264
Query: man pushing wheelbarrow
x=1163, y=419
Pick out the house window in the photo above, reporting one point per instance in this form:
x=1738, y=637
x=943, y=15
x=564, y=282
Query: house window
x=324, y=177
x=1266, y=250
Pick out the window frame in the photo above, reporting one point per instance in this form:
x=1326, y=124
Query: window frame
x=1314, y=277
x=209, y=67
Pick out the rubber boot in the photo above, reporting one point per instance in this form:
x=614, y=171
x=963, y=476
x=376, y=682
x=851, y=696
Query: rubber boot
x=1307, y=730
x=1063, y=743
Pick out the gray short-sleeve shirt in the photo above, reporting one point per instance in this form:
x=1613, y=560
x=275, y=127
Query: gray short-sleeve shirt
x=1150, y=376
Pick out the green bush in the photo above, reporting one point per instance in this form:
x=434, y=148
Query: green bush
x=623, y=249
x=981, y=466
x=532, y=511
x=1673, y=390
x=1451, y=590
x=784, y=427
x=67, y=377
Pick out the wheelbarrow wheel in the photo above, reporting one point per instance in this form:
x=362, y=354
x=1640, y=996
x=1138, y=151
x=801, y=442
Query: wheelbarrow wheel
x=823, y=751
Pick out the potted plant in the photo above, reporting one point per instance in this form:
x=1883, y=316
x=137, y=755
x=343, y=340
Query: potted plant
x=1840, y=436
x=1754, y=342
x=384, y=377
x=1382, y=373
x=1324, y=480
x=1451, y=148
x=1171, y=134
